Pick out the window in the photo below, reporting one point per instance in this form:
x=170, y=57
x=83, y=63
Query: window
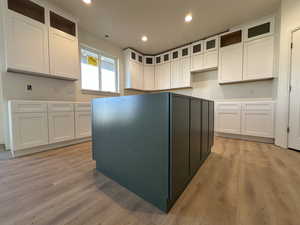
x=98, y=71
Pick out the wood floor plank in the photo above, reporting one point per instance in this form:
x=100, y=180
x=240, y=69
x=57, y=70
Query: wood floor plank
x=241, y=183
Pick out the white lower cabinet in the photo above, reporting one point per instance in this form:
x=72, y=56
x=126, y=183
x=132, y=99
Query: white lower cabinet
x=228, y=118
x=61, y=126
x=258, y=119
x=28, y=125
x=245, y=118
x=83, y=120
x=33, y=123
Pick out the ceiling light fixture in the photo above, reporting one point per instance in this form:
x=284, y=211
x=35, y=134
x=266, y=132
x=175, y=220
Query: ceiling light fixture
x=87, y=1
x=188, y=18
x=144, y=38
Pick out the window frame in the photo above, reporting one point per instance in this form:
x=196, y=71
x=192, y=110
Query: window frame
x=100, y=55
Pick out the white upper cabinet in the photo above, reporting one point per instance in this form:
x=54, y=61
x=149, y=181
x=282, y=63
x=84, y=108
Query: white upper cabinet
x=181, y=67
x=40, y=41
x=134, y=70
x=231, y=57
x=63, y=46
x=259, y=50
x=27, y=37
x=163, y=72
x=211, y=53
x=197, y=59
x=149, y=73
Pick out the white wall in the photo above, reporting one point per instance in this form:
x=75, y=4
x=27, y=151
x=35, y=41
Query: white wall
x=290, y=19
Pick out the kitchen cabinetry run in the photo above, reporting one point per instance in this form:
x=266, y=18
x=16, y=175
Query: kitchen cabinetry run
x=39, y=125
x=37, y=38
x=175, y=149
x=245, y=118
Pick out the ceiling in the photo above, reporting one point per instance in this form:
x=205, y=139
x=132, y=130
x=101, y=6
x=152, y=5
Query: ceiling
x=162, y=21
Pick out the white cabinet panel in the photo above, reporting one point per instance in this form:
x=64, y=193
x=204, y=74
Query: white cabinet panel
x=28, y=130
x=163, y=76
x=149, y=77
x=64, y=54
x=175, y=74
x=83, y=121
x=197, y=62
x=259, y=59
x=27, y=44
x=231, y=63
x=228, y=118
x=134, y=75
x=185, y=72
x=258, y=119
x=61, y=126
x=83, y=107
x=210, y=60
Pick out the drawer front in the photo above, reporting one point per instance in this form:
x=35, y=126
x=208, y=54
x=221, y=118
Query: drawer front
x=83, y=107
x=258, y=107
x=61, y=107
x=28, y=106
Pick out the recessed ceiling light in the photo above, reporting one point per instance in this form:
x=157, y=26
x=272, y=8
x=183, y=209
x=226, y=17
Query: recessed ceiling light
x=188, y=18
x=144, y=38
x=87, y=1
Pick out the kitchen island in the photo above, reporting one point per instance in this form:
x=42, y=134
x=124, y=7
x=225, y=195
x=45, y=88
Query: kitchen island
x=152, y=144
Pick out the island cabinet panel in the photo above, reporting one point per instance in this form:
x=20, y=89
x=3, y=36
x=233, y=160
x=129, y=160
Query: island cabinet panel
x=204, y=130
x=180, y=157
x=195, y=135
x=150, y=144
x=211, y=124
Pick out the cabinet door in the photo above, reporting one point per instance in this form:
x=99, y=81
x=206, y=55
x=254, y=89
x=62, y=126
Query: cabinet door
x=258, y=119
x=140, y=84
x=175, y=74
x=210, y=60
x=29, y=130
x=61, y=126
x=83, y=124
x=204, y=130
x=228, y=118
x=163, y=76
x=180, y=144
x=197, y=62
x=64, y=54
x=185, y=71
x=259, y=59
x=211, y=129
x=195, y=136
x=149, y=77
x=231, y=63
x=27, y=44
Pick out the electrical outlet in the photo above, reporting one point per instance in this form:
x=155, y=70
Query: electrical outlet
x=29, y=87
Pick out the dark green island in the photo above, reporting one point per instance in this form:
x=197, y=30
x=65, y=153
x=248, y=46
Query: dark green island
x=152, y=144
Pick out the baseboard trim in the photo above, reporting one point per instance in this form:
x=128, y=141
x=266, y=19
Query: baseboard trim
x=43, y=148
x=246, y=138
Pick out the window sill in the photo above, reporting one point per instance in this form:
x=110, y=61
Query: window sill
x=103, y=93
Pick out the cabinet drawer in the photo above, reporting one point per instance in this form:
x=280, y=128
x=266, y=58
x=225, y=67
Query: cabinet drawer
x=82, y=107
x=258, y=107
x=60, y=107
x=27, y=106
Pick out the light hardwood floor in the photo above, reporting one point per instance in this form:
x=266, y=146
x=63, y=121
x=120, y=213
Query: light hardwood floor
x=242, y=183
